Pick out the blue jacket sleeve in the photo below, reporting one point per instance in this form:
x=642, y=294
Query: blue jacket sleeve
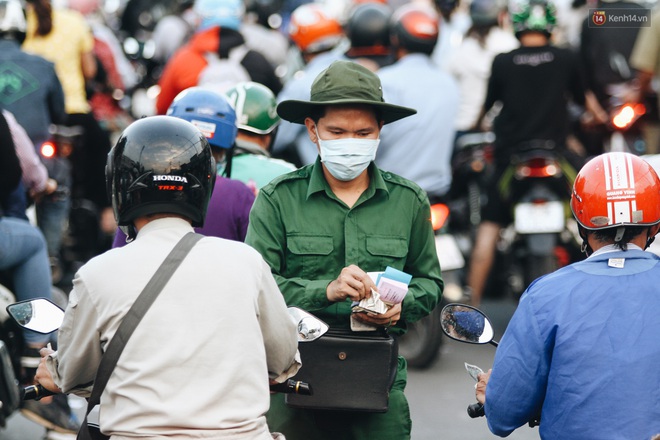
x=517, y=384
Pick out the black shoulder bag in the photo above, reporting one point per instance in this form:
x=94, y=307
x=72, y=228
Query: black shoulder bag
x=128, y=324
x=350, y=371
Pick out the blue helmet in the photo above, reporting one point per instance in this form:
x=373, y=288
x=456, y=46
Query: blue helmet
x=224, y=13
x=210, y=112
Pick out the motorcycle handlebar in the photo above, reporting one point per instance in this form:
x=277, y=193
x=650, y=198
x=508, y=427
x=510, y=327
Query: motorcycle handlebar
x=293, y=386
x=36, y=392
x=476, y=410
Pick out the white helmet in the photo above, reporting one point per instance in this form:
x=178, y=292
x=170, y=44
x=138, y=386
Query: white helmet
x=12, y=20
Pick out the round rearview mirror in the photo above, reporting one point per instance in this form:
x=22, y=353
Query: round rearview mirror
x=466, y=324
x=40, y=315
x=309, y=326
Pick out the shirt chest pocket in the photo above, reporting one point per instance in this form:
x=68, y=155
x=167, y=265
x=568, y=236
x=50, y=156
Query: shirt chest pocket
x=308, y=255
x=387, y=251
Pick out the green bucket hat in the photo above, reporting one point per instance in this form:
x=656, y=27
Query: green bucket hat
x=343, y=82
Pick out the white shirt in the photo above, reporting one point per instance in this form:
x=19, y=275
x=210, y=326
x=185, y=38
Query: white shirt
x=470, y=64
x=197, y=365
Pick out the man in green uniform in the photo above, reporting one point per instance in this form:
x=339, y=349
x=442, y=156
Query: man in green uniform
x=323, y=227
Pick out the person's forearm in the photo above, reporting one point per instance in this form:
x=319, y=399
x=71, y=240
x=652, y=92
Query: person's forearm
x=88, y=65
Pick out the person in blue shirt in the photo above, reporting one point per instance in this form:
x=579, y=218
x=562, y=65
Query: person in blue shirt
x=425, y=157
x=318, y=36
x=582, y=348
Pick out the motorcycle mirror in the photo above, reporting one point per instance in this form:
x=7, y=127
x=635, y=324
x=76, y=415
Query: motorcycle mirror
x=466, y=324
x=40, y=315
x=310, y=328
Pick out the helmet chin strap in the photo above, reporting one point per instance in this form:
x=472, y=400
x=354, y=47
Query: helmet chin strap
x=649, y=239
x=619, y=234
x=129, y=231
x=584, y=248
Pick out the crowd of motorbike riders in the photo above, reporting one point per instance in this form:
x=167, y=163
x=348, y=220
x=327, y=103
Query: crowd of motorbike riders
x=74, y=75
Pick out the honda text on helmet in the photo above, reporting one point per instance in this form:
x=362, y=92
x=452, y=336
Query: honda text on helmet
x=160, y=164
x=615, y=190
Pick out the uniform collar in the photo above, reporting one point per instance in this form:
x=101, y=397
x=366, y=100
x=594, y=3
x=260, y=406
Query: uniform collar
x=165, y=223
x=317, y=182
x=610, y=248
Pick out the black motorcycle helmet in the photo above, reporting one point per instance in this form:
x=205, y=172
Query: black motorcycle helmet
x=415, y=28
x=160, y=164
x=368, y=25
x=486, y=12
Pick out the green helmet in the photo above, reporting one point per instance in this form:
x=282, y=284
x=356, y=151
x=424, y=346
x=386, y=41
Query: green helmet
x=255, y=106
x=533, y=15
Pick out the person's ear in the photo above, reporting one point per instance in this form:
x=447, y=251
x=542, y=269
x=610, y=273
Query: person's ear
x=311, y=129
x=653, y=230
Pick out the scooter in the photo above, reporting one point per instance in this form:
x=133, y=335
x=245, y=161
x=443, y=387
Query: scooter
x=625, y=132
x=420, y=345
x=542, y=237
x=44, y=316
x=473, y=164
x=468, y=324
x=11, y=348
x=10, y=340
x=82, y=238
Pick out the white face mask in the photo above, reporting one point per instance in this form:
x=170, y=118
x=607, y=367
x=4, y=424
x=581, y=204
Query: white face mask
x=346, y=158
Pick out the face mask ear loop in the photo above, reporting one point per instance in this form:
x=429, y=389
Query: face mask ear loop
x=619, y=234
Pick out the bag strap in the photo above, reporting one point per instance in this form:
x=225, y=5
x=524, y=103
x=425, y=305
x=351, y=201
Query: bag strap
x=136, y=312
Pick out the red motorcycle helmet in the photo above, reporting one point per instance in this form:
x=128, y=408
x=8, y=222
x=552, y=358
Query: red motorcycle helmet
x=616, y=189
x=314, y=29
x=415, y=28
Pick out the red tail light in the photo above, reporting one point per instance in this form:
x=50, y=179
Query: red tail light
x=627, y=114
x=439, y=214
x=48, y=150
x=538, y=168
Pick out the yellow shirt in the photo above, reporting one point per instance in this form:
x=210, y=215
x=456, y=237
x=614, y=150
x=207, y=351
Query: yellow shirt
x=64, y=46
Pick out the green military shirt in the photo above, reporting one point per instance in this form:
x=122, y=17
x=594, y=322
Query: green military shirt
x=307, y=235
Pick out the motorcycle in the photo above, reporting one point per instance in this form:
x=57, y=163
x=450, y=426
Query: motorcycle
x=44, y=316
x=467, y=324
x=11, y=348
x=472, y=167
x=543, y=235
x=9, y=362
x=82, y=238
x=420, y=345
x=625, y=132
